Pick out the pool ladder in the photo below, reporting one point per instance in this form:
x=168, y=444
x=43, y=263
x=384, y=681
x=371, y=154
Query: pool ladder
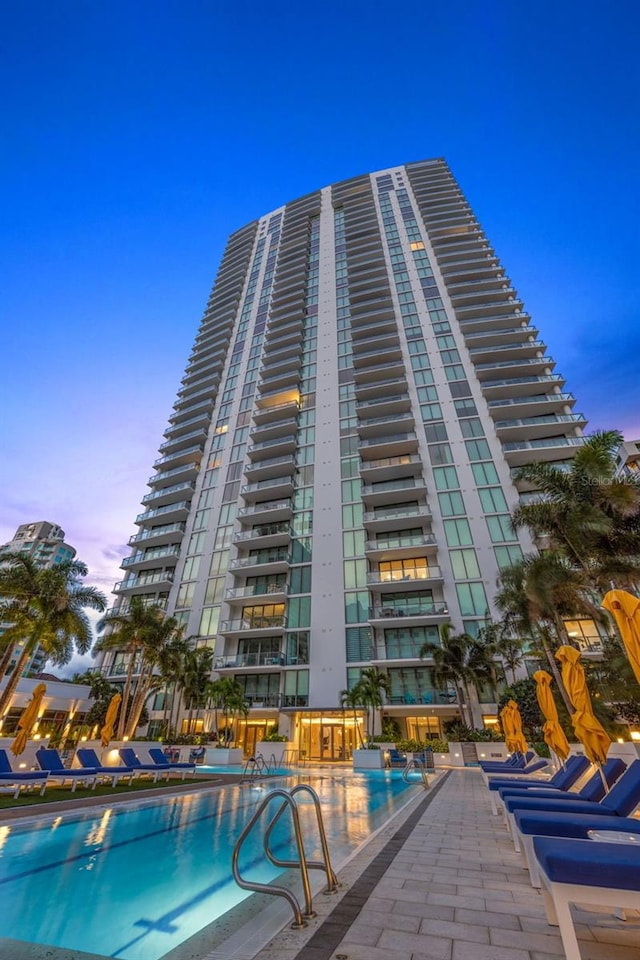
x=415, y=765
x=287, y=798
x=258, y=767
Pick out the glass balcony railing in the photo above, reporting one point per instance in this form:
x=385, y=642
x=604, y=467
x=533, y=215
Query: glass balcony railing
x=392, y=577
x=262, y=507
x=160, y=511
x=539, y=398
x=539, y=444
x=167, y=490
x=162, y=531
x=254, y=590
x=251, y=660
x=188, y=451
x=409, y=608
x=253, y=623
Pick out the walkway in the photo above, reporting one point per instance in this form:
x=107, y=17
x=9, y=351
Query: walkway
x=453, y=888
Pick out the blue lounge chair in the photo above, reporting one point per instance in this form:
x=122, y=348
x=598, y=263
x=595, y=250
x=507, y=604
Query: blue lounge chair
x=619, y=802
x=50, y=760
x=574, y=817
x=592, y=791
x=158, y=757
x=130, y=759
x=519, y=773
x=561, y=781
x=515, y=760
x=89, y=760
x=589, y=873
x=20, y=780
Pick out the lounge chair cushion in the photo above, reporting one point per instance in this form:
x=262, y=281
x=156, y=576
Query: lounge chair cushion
x=544, y=824
x=591, y=864
x=51, y=761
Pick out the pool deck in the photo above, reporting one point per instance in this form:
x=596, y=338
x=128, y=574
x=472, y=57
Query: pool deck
x=446, y=884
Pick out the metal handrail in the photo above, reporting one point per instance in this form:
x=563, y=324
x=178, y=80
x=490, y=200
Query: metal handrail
x=274, y=889
x=254, y=766
x=332, y=880
x=288, y=801
x=414, y=764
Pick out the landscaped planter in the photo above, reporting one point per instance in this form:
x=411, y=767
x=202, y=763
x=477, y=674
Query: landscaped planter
x=368, y=759
x=226, y=756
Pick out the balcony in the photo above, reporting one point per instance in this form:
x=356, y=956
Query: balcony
x=185, y=428
x=188, y=453
x=175, y=442
x=397, y=491
x=516, y=366
x=277, y=487
x=288, y=409
x=276, y=447
x=506, y=318
x=541, y=404
x=270, y=468
x=380, y=389
x=531, y=428
x=485, y=339
x=520, y=386
x=265, y=535
x=261, y=566
x=389, y=445
x=269, y=511
x=133, y=585
x=274, y=592
x=410, y=614
x=400, y=547
x=259, y=626
x=388, y=350
x=383, y=406
x=245, y=660
x=506, y=351
x=553, y=448
x=167, y=493
x=167, y=533
x=147, y=560
x=381, y=371
x=172, y=511
x=400, y=581
x=186, y=471
x=388, y=468
x=273, y=429
x=395, y=519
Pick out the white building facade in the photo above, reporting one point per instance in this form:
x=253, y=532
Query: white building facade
x=336, y=478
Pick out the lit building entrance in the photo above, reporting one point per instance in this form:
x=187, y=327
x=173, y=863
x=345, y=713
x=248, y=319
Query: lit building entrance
x=328, y=736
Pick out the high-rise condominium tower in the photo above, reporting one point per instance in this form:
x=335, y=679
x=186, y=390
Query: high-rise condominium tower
x=336, y=478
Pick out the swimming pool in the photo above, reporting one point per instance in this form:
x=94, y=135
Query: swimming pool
x=134, y=882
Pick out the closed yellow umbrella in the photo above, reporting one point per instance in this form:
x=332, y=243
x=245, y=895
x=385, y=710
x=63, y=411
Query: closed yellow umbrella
x=27, y=720
x=625, y=609
x=519, y=740
x=588, y=729
x=110, y=720
x=553, y=734
x=506, y=723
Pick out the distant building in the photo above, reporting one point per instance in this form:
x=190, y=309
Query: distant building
x=44, y=542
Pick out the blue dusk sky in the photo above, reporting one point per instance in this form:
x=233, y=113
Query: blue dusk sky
x=136, y=136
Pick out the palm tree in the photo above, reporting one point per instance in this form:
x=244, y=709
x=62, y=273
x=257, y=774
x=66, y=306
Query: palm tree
x=195, y=680
x=227, y=695
x=46, y=608
x=128, y=632
x=352, y=699
x=371, y=686
x=161, y=634
x=586, y=513
x=169, y=665
x=535, y=594
x=461, y=662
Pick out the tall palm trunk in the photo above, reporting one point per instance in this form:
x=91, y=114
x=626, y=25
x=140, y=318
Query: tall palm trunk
x=122, y=719
x=555, y=670
x=139, y=697
x=5, y=660
x=14, y=679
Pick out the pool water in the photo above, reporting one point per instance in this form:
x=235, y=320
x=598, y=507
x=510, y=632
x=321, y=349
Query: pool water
x=134, y=882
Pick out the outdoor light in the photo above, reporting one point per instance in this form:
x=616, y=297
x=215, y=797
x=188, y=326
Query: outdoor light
x=125, y=739
x=36, y=736
x=635, y=735
x=22, y=766
x=83, y=739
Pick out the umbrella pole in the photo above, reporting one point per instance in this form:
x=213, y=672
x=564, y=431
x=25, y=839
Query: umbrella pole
x=602, y=776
